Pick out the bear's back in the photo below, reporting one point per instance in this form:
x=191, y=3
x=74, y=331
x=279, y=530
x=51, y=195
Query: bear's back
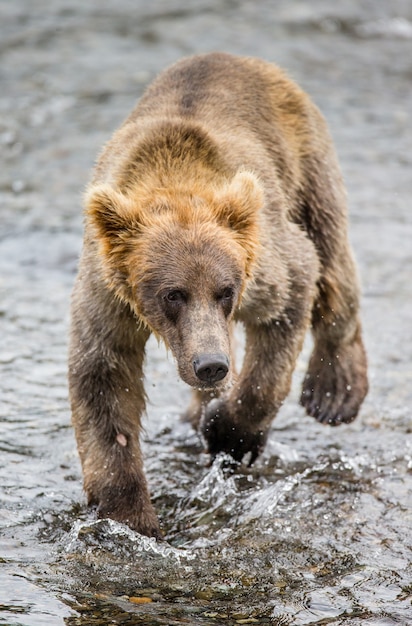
x=227, y=92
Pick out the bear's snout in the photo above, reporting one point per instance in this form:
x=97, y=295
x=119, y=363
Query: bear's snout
x=210, y=368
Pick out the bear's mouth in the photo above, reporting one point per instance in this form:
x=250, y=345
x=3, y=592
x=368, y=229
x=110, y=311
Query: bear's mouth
x=213, y=389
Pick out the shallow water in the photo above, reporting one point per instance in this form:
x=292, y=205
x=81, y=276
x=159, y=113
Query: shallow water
x=319, y=530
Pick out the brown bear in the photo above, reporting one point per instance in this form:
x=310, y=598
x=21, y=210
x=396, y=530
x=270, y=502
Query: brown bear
x=218, y=200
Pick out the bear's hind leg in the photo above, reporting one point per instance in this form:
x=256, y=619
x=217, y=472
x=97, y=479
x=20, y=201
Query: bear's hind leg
x=197, y=406
x=336, y=381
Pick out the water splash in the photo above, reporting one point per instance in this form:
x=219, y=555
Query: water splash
x=109, y=536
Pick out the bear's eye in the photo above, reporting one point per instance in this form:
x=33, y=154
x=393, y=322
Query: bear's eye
x=225, y=299
x=173, y=302
x=175, y=296
x=226, y=294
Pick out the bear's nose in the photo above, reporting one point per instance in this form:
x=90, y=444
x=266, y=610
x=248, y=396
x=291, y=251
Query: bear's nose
x=210, y=368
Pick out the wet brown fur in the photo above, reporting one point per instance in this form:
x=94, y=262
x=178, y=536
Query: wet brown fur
x=218, y=200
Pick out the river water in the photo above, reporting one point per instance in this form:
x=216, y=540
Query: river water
x=319, y=530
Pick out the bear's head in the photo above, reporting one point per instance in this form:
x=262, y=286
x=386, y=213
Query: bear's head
x=181, y=261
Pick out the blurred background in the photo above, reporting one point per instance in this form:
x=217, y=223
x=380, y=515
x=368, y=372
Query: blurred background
x=320, y=530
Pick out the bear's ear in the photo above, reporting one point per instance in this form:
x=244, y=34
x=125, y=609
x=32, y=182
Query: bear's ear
x=112, y=214
x=239, y=202
x=237, y=206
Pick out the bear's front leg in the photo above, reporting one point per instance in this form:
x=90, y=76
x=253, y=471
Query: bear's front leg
x=107, y=398
x=238, y=422
x=226, y=428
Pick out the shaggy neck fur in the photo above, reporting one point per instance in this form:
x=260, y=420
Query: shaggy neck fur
x=172, y=154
